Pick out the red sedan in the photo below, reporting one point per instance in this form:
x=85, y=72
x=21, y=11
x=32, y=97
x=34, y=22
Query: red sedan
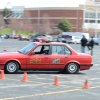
x=41, y=39
x=45, y=56
x=15, y=36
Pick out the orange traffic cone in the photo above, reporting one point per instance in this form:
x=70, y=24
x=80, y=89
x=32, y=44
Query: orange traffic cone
x=2, y=75
x=25, y=78
x=56, y=82
x=86, y=85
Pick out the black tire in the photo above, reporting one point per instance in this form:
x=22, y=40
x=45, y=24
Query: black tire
x=11, y=67
x=72, y=68
x=98, y=43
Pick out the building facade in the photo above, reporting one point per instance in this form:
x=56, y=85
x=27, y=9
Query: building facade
x=39, y=17
x=54, y=15
x=91, y=17
x=85, y=18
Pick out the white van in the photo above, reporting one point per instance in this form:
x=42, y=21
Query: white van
x=73, y=39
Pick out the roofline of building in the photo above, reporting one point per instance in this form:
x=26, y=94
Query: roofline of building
x=52, y=8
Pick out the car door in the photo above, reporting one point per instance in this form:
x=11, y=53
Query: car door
x=38, y=60
x=60, y=55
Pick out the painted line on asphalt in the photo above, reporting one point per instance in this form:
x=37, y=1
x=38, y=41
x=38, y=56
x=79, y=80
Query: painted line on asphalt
x=78, y=81
x=18, y=86
x=48, y=93
x=44, y=82
x=28, y=81
x=41, y=94
x=35, y=83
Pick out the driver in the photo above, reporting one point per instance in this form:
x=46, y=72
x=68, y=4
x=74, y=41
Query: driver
x=45, y=52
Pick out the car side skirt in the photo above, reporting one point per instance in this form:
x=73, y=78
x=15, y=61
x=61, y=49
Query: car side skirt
x=58, y=69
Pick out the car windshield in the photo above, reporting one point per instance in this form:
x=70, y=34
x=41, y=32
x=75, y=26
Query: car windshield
x=27, y=48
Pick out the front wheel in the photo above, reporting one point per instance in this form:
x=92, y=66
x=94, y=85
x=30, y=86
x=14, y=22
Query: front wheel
x=11, y=67
x=72, y=68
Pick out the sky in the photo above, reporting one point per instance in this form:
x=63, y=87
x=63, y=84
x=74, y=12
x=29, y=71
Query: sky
x=40, y=3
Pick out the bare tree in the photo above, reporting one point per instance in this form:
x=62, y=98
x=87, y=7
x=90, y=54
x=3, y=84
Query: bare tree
x=57, y=31
x=14, y=24
x=2, y=24
x=46, y=24
x=28, y=26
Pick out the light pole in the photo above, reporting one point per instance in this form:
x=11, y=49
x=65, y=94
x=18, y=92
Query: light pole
x=77, y=20
x=39, y=16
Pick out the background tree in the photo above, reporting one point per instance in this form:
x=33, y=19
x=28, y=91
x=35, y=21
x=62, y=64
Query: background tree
x=57, y=31
x=5, y=13
x=65, y=25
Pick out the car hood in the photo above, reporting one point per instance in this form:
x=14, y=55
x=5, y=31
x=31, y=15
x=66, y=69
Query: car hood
x=10, y=54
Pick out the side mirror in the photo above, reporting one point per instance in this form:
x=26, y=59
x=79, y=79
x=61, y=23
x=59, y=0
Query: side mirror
x=32, y=53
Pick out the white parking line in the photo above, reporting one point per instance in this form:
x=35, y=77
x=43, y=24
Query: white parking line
x=20, y=86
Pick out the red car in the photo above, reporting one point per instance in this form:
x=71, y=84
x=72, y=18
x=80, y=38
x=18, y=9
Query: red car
x=41, y=39
x=45, y=56
x=15, y=36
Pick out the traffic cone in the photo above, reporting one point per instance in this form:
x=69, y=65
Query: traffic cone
x=56, y=81
x=2, y=75
x=4, y=50
x=25, y=78
x=86, y=85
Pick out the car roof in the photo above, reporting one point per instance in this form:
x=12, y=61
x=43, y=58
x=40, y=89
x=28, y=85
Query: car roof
x=58, y=43
x=55, y=43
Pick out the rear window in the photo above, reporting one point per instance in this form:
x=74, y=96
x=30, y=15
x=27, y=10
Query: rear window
x=66, y=36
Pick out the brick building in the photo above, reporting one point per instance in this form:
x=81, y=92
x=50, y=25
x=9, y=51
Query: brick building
x=46, y=17
x=54, y=15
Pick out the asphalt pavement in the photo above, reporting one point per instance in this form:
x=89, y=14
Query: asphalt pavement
x=40, y=85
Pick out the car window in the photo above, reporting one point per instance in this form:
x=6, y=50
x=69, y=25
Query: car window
x=38, y=49
x=67, y=51
x=42, y=49
x=56, y=49
x=27, y=48
x=60, y=50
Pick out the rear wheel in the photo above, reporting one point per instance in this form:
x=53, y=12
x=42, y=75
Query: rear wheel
x=72, y=68
x=99, y=43
x=11, y=67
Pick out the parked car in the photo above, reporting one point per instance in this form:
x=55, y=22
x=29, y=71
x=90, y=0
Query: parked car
x=23, y=37
x=72, y=39
x=97, y=40
x=40, y=39
x=15, y=37
x=43, y=35
x=76, y=39
x=3, y=36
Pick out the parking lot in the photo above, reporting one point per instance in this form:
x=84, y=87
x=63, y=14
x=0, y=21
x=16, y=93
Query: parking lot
x=41, y=84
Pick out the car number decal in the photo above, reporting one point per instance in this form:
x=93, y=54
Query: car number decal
x=35, y=60
x=56, y=60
